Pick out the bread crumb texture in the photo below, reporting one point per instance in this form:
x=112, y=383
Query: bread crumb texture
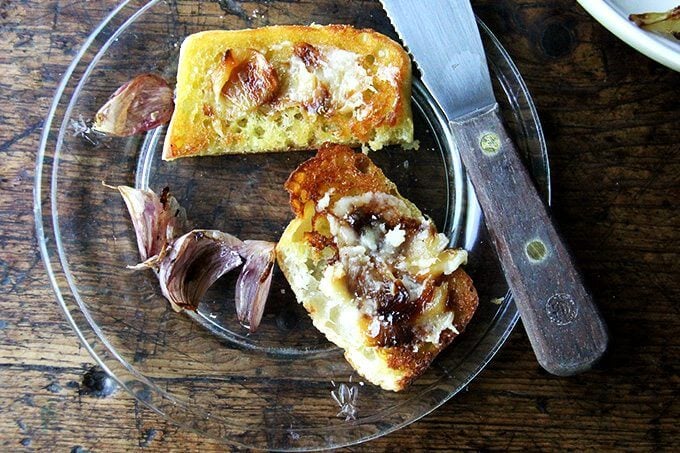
x=289, y=87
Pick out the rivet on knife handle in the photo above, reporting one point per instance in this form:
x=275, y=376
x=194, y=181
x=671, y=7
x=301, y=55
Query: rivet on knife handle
x=564, y=326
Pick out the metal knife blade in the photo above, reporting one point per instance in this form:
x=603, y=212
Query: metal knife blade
x=565, y=328
x=444, y=39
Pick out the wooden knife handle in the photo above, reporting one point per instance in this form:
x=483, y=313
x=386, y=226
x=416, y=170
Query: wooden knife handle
x=565, y=328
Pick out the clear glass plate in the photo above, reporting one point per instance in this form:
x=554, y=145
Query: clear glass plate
x=203, y=371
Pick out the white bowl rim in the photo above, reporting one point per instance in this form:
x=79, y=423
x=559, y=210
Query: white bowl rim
x=660, y=49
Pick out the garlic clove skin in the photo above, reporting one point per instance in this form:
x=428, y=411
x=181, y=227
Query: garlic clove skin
x=252, y=286
x=157, y=220
x=139, y=105
x=193, y=263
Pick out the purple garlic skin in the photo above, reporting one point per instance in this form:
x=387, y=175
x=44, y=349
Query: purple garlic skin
x=193, y=263
x=188, y=265
x=157, y=220
x=252, y=286
x=139, y=105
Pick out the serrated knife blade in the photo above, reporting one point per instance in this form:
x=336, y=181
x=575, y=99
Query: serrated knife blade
x=562, y=322
x=448, y=49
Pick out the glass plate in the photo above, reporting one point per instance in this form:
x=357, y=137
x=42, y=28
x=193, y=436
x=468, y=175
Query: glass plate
x=203, y=371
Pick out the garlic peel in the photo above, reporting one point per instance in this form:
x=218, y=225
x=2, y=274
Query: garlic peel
x=193, y=263
x=139, y=105
x=252, y=286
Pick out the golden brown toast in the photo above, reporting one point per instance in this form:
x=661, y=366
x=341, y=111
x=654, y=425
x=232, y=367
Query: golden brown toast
x=289, y=87
x=370, y=269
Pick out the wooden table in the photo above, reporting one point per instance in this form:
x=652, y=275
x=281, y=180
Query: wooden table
x=610, y=117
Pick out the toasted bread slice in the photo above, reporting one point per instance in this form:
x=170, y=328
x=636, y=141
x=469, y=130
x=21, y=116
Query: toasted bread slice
x=289, y=87
x=371, y=270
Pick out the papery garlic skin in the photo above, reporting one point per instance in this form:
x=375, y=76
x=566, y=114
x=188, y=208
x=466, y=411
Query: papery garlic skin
x=252, y=286
x=139, y=105
x=188, y=265
x=157, y=220
x=193, y=263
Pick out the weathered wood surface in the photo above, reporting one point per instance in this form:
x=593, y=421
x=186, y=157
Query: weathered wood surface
x=610, y=117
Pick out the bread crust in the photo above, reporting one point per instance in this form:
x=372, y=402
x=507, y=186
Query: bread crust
x=338, y=169
x=289, y=87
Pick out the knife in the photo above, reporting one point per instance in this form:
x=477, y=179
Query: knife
x=566, y=330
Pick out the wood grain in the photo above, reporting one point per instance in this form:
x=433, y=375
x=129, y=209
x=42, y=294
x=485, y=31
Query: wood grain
x=610, y=118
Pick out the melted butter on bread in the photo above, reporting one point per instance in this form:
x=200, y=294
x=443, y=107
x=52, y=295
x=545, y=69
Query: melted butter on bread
x=371, y=270
x=289, y=87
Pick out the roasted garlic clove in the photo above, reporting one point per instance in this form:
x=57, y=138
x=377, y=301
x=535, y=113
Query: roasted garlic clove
x=156, y=220
x=193, y=263
x=252, y=286
x=139, y=105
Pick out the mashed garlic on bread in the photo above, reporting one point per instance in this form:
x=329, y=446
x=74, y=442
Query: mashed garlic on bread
x=289, y=87
x=373, y=273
